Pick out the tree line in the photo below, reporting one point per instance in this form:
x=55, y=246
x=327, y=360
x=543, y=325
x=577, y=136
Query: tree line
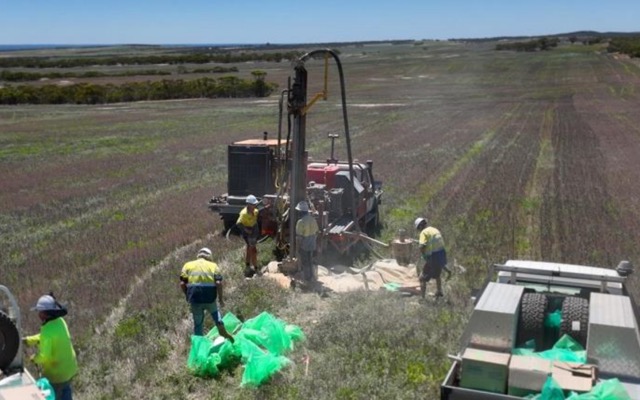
x=195, y=58
x=530, y=45
x=626, y=45
x=23, y=76
x=87, y=93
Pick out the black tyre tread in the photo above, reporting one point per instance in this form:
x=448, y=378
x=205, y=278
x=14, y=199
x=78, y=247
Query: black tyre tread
x=531, y=323
x=9, y=341
x=575, y=309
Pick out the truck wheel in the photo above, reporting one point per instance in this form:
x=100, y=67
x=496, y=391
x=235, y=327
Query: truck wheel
x=575, y=319
x=9, y=341
x=531, y=322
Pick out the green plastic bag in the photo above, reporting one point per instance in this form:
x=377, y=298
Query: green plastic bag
x=392, y=286
x=203, y=360
x=231, y=323
x=565, y=349
x=259, y=365
x=568, y=343
x=610, y=389
x=45, y=387
x=550, y=391
x=553, y=319
x=259, y=344
x=273, y=335
x=294, y=332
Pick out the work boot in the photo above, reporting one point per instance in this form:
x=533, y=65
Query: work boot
x=249, y=272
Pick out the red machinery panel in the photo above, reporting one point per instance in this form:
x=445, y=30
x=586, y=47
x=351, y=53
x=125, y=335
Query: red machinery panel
x=322, y=174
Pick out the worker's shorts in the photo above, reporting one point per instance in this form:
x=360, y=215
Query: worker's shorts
x=433, y=266
x=250, y=235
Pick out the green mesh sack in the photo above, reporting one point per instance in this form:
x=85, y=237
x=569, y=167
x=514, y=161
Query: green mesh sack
x=260, y=365
x=271, y=333
x=550, y=391
x=610, y=389
x=568, y=343
x=294, y=332
x=45, y=387
x=521, y=351
x=229, y=355
x=563, y=355
x=565, y=349
x=553, y=320
x=231, y=323
x=203, y=360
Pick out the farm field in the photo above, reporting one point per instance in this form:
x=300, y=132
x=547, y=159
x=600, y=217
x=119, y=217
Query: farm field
x=510, y=155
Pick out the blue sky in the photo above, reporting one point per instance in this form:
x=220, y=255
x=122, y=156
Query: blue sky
x=277, y=21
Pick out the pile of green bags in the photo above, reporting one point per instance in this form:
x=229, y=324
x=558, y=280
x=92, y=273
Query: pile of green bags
x=260, y=345
x=567, y=349
x=610, y=389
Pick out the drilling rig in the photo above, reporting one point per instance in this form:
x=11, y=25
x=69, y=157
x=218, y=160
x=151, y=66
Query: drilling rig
x=343, y=195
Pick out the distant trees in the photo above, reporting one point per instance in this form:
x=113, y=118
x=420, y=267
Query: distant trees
x=530, y=45
x=87, y=93
x=22, y=76
x=626, y=45
x=190, y=58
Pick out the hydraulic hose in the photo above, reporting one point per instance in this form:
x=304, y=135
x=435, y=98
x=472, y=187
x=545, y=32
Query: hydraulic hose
x=343, y=96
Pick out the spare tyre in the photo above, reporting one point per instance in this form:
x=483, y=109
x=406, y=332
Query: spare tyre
x=575, y=319
x=9, y=341
x=531, y=322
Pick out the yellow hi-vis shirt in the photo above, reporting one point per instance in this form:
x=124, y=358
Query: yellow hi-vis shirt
x=202, y=277
x=306, y=229
x=431, y=239
x=56, y=355
x=247, y=219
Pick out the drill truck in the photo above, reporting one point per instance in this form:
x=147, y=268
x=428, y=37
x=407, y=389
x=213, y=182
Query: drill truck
x=16, y=383
x=343, y=195
x=510, y=346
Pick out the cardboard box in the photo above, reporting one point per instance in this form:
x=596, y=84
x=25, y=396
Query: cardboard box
x=484, y=370
x=28, y=392
x=527, y=375
x=574, y=376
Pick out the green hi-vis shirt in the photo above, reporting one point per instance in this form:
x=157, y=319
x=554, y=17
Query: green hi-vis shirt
x=55, y=355
x=431, y=239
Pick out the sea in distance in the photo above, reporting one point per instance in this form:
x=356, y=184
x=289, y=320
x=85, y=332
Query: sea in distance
x=23, y=47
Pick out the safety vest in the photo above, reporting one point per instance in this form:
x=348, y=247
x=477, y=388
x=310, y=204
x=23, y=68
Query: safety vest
x=431, y=238
x=307, y=228
x=247, y=219
x=56, y=355
x=201, y=276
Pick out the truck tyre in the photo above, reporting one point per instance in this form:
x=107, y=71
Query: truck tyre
x=531, y=322
x=575, y=319
x=9, y=341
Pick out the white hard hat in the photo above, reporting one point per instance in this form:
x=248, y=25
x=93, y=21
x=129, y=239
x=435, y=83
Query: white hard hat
x=302, y=206
x=251, y=199
x=46, y=303
x=419, y=221
x=205, y=252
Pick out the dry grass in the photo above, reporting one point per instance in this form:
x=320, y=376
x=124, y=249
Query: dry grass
x=103, y=205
